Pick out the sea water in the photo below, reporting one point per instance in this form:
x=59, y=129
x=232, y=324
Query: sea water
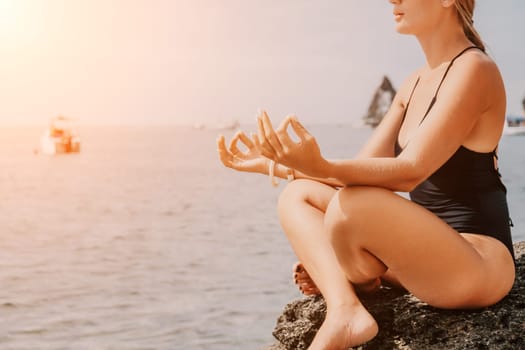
x=145, y=241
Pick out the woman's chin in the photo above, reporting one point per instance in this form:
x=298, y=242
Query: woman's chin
x=402, y=29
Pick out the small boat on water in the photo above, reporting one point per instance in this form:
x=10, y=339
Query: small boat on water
x=226, y=125
x=59, y=137
x=515, y=126
x=514, y=130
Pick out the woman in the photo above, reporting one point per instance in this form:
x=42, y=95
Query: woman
x=450, y=245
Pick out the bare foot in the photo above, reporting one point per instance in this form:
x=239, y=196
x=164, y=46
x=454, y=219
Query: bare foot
x=307, y=286
x=345, y=328
x=303, y=281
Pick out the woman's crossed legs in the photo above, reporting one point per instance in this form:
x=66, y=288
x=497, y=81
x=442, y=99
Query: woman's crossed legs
x=357, y=234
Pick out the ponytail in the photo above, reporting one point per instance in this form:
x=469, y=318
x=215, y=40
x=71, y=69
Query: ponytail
x=465, y=10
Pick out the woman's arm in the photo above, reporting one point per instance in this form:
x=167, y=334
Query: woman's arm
x=467, y=96
x=470, y=92
x=282, y=172
x=380, y=144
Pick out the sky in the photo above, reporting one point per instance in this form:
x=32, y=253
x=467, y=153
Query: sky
x=211, y=61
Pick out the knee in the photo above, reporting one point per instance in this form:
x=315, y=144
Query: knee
x=293, y=193
x=349, y=211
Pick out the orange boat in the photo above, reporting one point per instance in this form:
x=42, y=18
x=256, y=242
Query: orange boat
x=59, y=137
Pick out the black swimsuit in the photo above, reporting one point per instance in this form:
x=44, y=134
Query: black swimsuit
x=466, y=192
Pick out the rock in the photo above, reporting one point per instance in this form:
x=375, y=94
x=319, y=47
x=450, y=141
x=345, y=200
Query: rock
x=380, y=103
x=407, y=323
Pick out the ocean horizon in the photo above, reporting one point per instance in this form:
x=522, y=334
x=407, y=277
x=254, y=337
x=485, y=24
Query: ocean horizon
x=144, y=240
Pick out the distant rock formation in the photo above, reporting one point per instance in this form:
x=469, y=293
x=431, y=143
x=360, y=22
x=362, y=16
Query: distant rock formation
x=523, y=102
x=380, y=103
x=407, y=323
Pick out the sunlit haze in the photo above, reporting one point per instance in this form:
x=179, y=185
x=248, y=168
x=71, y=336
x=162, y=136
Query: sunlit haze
x=208, y=61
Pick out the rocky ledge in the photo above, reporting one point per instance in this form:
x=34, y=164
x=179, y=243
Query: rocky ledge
x=408, y=324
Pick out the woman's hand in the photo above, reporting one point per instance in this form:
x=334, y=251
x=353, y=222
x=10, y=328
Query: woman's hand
x=304, y=155
x=250, y=161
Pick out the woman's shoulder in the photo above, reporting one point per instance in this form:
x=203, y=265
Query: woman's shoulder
x=478, y=73
x=477, y=64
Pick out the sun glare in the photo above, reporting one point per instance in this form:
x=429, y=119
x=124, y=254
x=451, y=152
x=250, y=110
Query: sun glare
x=9, y=16
x=16, y=22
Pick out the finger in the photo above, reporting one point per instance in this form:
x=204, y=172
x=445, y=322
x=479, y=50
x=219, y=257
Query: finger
x=257, y=143
x=220, y=139
x=223, y=151
x=299, y=129
x=225, y=156
x=255, y=140
x=260, y=131
x=269, y=154
x=282, y=133
x=270, y=133
x=246, y=140
x=233, y=144
x=221, y=145
x=240, y=136
x=266, y=148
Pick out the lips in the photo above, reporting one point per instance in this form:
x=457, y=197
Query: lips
x=398, y=15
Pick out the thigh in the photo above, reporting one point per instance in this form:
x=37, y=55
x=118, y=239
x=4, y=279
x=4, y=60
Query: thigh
x=426, y=255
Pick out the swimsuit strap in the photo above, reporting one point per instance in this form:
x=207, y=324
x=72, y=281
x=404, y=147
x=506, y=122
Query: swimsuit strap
x=409, y=99
x=443, y=79
x=437, y=91
x=412, y=92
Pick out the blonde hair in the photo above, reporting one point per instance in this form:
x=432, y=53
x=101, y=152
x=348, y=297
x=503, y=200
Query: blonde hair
x=465, y=10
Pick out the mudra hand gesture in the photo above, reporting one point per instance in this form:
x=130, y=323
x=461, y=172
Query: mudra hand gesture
x=277, y=145
x=251, y=160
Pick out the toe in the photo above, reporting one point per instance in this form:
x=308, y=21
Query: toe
x=311, y=291
x=298, y=267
